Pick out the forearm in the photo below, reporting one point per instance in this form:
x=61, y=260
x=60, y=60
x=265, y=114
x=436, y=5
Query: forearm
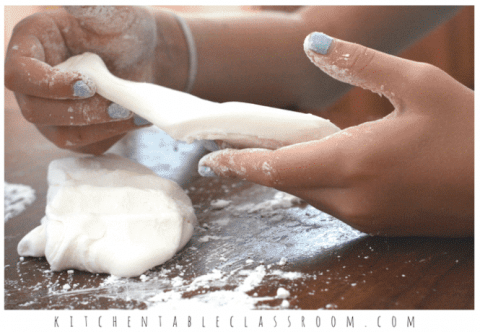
x=259, y=57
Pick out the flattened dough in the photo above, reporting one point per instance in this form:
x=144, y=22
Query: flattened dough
x=109, y=214
x=187, y=118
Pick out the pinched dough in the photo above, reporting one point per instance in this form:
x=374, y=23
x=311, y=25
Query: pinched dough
x=187, y=118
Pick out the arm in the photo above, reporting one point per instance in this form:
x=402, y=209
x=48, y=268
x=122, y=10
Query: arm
x=258, y=57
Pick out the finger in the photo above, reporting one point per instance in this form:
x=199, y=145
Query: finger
x=93, y=110
x=296, y=166
x=336, y=161
x=28, y=64
x=401, y=81
x=73, y=137
x=99, y=147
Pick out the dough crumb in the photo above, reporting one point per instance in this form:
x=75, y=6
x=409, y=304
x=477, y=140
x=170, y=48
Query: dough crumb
x=219, y=204
x=282, y=293
x=282, y=261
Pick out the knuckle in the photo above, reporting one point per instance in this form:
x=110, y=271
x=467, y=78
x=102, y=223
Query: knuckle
x=360, y=57
x=421, y=72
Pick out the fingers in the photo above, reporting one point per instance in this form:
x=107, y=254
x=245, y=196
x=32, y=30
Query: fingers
x=312, y=164
x=400, y=80
x=42, y=111
x=75, y=137
x=28, y=64
x=99, y=147
x=33, y=77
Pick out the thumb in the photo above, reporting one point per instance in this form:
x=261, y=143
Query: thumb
x=401, y=81
x=27, y=71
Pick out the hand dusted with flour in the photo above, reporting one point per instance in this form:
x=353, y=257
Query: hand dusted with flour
x=410, y=173
x=135, y=44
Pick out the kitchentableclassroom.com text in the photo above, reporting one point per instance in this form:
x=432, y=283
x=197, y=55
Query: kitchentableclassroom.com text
x=222, y=322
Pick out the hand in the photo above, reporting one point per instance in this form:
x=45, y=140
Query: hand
x=408, y=174
x=63, y=105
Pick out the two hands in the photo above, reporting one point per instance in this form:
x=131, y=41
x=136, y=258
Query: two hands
x=410, y=173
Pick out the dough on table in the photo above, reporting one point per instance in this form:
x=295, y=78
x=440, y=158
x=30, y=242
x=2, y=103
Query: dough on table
x=109, y=214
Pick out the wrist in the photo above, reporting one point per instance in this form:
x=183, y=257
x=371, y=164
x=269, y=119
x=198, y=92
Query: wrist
x=171, y=52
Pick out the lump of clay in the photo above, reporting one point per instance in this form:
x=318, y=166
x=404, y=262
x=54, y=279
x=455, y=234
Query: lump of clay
x=109, y=214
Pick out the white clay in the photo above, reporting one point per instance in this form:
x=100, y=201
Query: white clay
x=187, y=118
x=109, y=214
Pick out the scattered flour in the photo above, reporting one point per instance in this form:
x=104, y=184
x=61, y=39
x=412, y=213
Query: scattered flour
x=236, y=298
x=207, y=238
x=280, y=200
x=17, y=198
x=282, y=261
x=219, y=204
x=282, y=293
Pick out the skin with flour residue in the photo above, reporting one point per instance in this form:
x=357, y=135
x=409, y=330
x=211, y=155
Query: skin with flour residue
x=236, y=62
x=134, y=42
x=408, y=174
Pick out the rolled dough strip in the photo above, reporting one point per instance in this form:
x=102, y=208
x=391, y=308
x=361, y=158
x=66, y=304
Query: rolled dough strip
x=187, y=118
x=108, y=214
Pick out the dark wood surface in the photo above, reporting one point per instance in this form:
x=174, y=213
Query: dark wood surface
x=355, y=272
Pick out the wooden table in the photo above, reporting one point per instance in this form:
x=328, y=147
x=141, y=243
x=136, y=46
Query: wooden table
x=340, y=268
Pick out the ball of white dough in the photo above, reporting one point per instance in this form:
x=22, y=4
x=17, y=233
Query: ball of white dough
x=109, y=214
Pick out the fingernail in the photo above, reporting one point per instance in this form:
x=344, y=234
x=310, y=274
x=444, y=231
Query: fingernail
x=318, y=42
x=118, y=112
x=210, y=145
x=81, y=89
x=206, y=171
x=139, y=121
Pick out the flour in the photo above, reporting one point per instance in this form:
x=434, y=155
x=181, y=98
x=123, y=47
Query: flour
x=16, y=199
x=282, y=293
x=111, y=215
x=236, y=298
x=219, y=204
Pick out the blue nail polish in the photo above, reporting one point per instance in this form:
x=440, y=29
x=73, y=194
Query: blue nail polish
x=139, y=121
x=116, y=111
x=206, y=171
x=319, y=42
x=81, y=89
x=210, y=145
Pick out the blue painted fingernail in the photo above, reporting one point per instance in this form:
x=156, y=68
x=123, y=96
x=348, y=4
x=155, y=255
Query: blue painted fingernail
x=139, y=121
x=318, y=42
x=210, y=145
x=206, y=171
x=81, y=89
x=116, y=111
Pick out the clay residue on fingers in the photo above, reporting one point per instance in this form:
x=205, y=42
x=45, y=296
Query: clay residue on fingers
x=338, y=64
x=103, y=19
x=229, y=163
